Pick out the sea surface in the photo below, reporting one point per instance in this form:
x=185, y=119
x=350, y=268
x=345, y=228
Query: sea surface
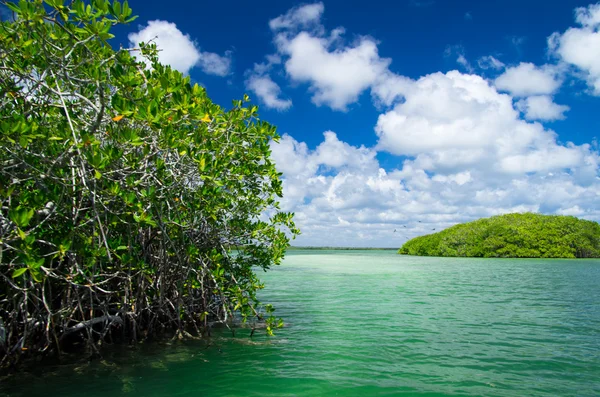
x=367, y=323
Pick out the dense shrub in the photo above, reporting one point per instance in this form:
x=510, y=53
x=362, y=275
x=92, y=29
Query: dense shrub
x=513, y=236
x=131, y=205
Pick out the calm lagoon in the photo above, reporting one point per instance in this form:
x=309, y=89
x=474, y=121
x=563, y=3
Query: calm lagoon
x=362, y=323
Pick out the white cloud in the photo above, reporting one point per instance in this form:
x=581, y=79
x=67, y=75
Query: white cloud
x=528, y=79
x=541, y=107
x=469, y=155
x=580, y=47
x=178, y=49
x=268, y=91
x=337, y=72
x=337, y=76
x=461, y=59
x=389, y=88
x=451, y=121
x=489, y=62
x=342, y=196
x=573, y=211
x=298, y=17
x=588, y=16
x=459, y=178
x=215, y=64
x=468, y=148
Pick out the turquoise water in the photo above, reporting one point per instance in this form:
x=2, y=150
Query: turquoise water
x=362, y=323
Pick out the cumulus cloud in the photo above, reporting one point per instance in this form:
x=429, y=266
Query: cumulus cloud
x=336, y=76
x=342, y=196
x=466, y=147
x=528, y=79
x=542, y=107
x=389, y=88
x=468, y=154
x=336, y=71
x=304, y=170
x=580, y=47
x=179, y=50
x=453, y=120
x=268, y=91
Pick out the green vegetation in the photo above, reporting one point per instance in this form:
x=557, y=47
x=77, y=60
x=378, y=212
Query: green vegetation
x=295, y=248
x=124, y=190
x=513, y=236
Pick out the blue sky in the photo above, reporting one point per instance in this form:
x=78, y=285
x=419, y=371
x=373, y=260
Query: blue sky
x=411, y=115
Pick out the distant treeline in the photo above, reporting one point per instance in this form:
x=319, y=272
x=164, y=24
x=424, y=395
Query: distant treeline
x=512, y=236
x=339, y=248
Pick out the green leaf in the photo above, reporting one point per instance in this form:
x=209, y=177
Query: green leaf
x=13, y=7
x=36, y=274
x=21, y=234
x=19, y=272
x=21, y=216
x=37, y=264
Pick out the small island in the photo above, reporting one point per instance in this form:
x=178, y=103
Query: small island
x=516, y=235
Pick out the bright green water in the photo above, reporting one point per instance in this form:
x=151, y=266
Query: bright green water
x=363, y=323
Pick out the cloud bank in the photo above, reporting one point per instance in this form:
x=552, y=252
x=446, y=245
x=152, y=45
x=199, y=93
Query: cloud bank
x=467, y=146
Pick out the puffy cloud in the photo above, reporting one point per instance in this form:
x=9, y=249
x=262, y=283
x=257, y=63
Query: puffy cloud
x=295, y=159
x=268, y=91
x=297, y=17
x=178, y=49
x=215, y=64
x=336, y=72
x=451, y=121
x=580, y=46
x=342, y=196
x=541, y=107
x=468, y=155
x=588, y=16
x=304, y=170
x=459, y=178
x=528, y=79
x=336, y=76
x=389, y=88
x=468, y=148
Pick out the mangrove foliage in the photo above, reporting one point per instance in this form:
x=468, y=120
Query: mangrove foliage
x=124, y=190
x=512, y=236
